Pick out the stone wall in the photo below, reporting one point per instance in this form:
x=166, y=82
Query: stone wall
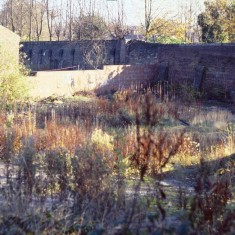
x=109, y=79
x=65, y=54
x=210, y=67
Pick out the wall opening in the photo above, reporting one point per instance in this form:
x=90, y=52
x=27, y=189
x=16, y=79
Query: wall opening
x=30, y=56
x=73, y=56
x=40, y=54
x=61, y=53
x=50, y=54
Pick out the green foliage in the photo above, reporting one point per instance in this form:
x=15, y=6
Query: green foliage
x=167, y=31
x=167, y=40
x=12, y=79
x=217, y=22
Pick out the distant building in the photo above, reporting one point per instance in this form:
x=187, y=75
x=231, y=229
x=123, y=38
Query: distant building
x=9, y=40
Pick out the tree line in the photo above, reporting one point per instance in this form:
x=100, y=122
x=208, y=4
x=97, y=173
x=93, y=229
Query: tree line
x=36, y=20
x=60, y=20
x=218, y=21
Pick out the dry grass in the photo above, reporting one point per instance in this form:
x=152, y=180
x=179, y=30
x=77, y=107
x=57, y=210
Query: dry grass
x=72, y=164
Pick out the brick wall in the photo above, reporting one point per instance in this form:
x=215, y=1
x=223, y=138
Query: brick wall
x=218, y=60
x=183, y=60
x=111, y=78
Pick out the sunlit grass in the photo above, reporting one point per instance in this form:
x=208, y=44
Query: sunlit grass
x=79, y=153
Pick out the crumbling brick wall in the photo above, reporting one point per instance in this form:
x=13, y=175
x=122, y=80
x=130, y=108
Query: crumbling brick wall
x=109, y=79
x=184, y=60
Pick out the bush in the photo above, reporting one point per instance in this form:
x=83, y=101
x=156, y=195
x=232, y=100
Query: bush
x=12, y=78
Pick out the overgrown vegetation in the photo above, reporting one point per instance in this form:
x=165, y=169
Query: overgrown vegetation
x=217, y=22
x=124, y=165
x=12, y=81
x=94, y=20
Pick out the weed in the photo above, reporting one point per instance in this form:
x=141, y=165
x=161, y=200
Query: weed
x=78, y=167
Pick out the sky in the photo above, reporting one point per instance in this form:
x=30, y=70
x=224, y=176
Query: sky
x=134, y=9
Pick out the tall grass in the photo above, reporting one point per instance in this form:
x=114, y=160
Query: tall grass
x=68, y=168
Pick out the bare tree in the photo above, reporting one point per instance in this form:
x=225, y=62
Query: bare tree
x=95, y=54
x=20, y=18
x=89, y=24
x=148, y=15
x=152, y=11
x=28, y=18
x=11, y=11
x=59, y=22
x=30, y=11
x=116, y=25
x=51, y=14
x=187, y=15
x=38, y=16
x=4, y=19
x=69, y=19
x=12, y=15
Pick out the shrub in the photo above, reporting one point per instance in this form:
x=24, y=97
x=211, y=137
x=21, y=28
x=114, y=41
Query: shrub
x=12, y=79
